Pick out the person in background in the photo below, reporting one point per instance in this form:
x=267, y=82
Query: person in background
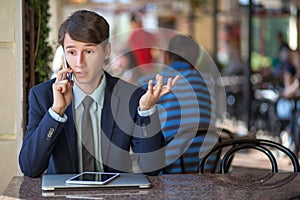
x=283, y=56
x=91, y=123
x=284, y=49
x=125, y=66
x=188, y=107
x=140, y=42
x=234, y=64
x=287, y=106
x=290, y=82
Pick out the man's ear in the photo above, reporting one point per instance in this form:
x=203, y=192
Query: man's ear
x=166, y=58
x=107, y=51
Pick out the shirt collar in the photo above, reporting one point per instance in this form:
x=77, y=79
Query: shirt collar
x=97, y=95
x=179, y=65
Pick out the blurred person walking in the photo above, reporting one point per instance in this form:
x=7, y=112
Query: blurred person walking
x=140, y=43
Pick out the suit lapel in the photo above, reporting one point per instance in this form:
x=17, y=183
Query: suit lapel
x=110, y=107
x=71, y=136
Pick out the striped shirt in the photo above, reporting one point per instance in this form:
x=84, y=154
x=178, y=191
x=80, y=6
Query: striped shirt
x=187, y=107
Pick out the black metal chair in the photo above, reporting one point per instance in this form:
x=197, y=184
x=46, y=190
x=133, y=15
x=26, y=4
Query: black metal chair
x=262, y=145
x=203, y=142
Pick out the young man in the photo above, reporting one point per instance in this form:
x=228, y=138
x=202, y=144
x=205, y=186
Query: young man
x=122, y=116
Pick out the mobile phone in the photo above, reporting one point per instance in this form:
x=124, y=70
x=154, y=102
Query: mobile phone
x=69, y=76
x=92, y=178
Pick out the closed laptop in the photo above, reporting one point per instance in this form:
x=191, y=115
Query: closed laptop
x=58, y=181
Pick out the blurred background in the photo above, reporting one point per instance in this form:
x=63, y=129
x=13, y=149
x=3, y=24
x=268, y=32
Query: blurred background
x=252, y=42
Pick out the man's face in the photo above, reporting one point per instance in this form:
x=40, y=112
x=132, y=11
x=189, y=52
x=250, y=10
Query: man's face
x=86, y=61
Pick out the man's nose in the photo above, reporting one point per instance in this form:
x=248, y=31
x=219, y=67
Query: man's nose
x=80, y=59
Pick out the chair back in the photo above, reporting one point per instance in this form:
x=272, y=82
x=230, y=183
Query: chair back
x=198, y=146
x=262, y=145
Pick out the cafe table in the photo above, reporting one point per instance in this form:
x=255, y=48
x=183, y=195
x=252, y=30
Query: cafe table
x=248, y=185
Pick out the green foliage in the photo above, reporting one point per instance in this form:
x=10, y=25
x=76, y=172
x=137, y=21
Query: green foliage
x=264, y=36
x=258, y=61
x=265, y=41
x=43, y=53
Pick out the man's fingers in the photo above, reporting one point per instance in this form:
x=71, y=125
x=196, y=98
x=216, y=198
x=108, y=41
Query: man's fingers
x=150, y=86
x=61, y=86
x=159, y=85
x=167, y=88
x=174, y=81
x=59, y=76
x=159, y=89
x=62, y=74
x=170, y=83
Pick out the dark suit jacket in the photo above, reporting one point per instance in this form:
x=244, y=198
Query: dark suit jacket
x=51, y=146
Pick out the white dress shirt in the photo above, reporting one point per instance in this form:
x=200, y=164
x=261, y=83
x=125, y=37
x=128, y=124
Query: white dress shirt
x=95, y=111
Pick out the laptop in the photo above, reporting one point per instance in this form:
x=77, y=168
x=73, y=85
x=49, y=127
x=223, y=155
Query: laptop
x=57, y=181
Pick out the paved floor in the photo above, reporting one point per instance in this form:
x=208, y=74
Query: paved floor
x=255, y=159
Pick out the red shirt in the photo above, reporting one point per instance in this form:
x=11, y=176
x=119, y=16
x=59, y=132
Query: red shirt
x=141, y=43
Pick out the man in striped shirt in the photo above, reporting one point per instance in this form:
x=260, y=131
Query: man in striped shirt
x=187, y=107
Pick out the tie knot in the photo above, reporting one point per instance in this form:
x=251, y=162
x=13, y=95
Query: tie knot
x=87, y=102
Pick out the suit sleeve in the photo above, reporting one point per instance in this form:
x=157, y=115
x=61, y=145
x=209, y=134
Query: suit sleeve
x=39, y=140
x=148, y=143
x=149, y=146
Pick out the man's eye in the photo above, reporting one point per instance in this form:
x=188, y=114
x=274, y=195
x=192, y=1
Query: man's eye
x=89, y=51
x=72, y=53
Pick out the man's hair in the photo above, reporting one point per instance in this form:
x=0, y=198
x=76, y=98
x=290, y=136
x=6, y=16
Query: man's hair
x=183, y=48
x=135, y=17
x=85, y=26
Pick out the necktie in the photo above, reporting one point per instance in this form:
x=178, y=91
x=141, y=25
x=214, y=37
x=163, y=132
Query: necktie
x=88, y=160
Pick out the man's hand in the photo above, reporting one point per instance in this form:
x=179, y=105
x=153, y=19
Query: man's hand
x=153, y=93
x=62, y=92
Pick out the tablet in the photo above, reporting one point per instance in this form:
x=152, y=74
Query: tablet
x=99, y=178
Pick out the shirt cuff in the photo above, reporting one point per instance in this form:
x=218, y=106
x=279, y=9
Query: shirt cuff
x=57, y=117
x=147, y=113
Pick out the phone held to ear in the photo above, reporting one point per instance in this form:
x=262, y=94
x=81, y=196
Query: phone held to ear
x=69, y=76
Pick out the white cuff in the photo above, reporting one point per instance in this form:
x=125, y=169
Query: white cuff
x=57, y=117
x=147, y=113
